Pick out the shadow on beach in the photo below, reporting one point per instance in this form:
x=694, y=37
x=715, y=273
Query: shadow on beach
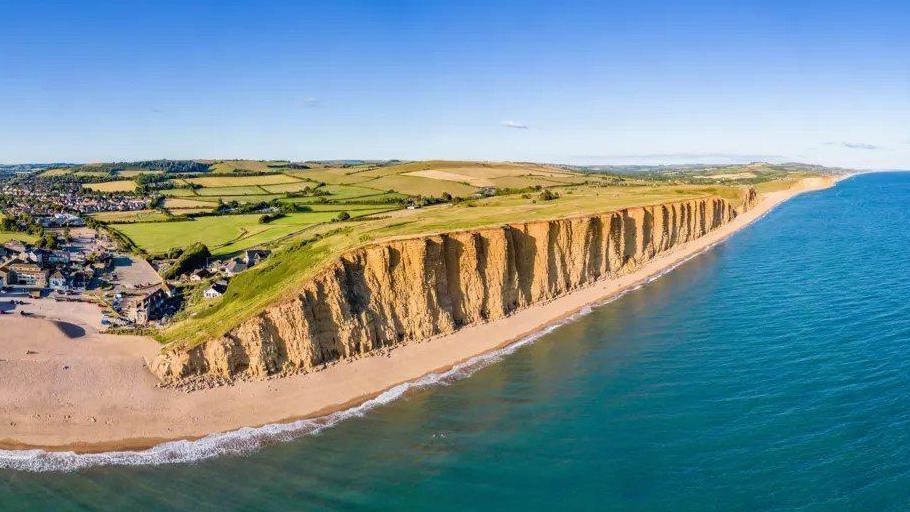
x=70, y=330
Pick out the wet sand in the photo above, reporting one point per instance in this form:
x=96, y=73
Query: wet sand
x=93, y=393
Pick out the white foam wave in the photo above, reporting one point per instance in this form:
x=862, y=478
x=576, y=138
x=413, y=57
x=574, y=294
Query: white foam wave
x=248, y=439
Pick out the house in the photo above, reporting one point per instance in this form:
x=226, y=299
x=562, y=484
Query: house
x=148, y=307
x=15, y=247
x=37, y=256
x=58, y=257
x=216, y=290
x=58, y=281
x=234, y=267
x=23, y=275
x=254, y=256
x=200, y=274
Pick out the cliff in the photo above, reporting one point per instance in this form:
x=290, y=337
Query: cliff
x=405, y=290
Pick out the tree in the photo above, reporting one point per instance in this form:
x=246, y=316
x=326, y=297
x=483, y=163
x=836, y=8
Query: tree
x=343, y=216
x=548, y=195
x=192, y=258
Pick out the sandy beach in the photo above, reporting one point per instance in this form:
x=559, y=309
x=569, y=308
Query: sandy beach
x=90, y=392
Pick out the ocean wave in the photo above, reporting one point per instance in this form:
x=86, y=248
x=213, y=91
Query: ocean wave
x=250, y=439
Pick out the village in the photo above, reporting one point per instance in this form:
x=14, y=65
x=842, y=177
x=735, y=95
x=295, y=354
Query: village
x=67, y=268
x=88, y=268
x=43, y=198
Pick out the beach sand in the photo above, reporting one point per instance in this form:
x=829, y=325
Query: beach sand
x=93, y=393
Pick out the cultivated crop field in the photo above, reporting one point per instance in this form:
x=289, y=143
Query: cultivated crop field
x=112, y=186
x=420, y=186
x=133, y=216
x=241, y=181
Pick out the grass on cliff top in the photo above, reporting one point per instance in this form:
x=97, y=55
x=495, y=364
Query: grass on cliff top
x=225, y=234
x=289, y=268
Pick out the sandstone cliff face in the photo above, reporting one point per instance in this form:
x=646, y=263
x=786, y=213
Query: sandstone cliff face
x=405, y=290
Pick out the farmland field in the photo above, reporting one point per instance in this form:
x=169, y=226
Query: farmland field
x=289, y=187
x=330, y=176
x=249, y=198
x=230, y=191
x=112, y=186
x=132, y=216
x=342, y=192
x=180, y=202
x=178, y=192
x=245, y=165
x=59, y=171
x=529, y=181
x=420, y=186
x=223, y=234
x=239, y=181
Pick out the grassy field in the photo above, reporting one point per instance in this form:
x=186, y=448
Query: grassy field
x=6, y=236
x=224, y=234
x=59, y=171
x=420, y=186
x=182, y=202
x=246, y=165
x=231, y=191
x=178, y=192
x=129, y=217
x=242, y=181
x=112, y=186
x=249, y=198
x=289, y=187
x=331, y=176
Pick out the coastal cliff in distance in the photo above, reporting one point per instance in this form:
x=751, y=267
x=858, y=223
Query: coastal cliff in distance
x=406, y=290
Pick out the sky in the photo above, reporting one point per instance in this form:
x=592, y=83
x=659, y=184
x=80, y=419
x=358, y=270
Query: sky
x=573, y=82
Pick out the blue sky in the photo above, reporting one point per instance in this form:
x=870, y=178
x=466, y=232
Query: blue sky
x=580, y=82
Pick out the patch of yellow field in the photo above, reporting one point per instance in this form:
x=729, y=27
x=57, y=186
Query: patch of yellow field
x=731, y=176
x=475, y=181
x=58, y=171
x=420, y=186
x=180, y=202
x=112, y=186
x=476, y=169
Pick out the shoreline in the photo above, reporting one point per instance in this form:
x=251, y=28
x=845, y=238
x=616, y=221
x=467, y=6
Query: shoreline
x=135, y=414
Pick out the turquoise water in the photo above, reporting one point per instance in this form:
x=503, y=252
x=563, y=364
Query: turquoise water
x=771, y=373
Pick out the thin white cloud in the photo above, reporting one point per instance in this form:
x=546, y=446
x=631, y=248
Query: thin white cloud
x=514, y=124
x=854, y=145
x=309, y=102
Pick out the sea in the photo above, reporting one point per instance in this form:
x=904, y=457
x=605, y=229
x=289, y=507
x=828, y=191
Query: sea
x=771, y=372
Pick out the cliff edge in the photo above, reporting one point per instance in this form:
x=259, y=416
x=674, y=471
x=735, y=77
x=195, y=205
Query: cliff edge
x=406, y=290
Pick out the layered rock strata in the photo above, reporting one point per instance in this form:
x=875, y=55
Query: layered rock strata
x=400, y=291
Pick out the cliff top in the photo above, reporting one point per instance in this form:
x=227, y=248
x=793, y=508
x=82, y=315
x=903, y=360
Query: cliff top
x=570, y=194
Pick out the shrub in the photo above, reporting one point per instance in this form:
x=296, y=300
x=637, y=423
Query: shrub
x=548, y=195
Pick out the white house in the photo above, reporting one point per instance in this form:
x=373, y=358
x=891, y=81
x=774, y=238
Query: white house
x=58, y=281
x=216, y=290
